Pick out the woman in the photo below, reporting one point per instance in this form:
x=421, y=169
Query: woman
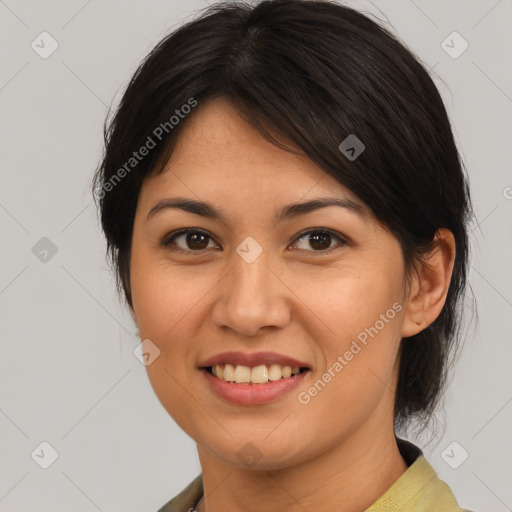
x=286, y=211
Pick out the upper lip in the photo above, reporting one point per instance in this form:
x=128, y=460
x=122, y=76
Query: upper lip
x=252, y=359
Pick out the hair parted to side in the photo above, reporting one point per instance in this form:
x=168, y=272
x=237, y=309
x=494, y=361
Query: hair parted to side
x=311, y=72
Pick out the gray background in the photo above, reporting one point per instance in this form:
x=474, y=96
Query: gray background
x=68, y=375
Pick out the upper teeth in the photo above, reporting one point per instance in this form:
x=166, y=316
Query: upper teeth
x=257, y=374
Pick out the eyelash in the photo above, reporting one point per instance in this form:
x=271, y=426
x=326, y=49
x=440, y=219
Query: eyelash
x=168, y=241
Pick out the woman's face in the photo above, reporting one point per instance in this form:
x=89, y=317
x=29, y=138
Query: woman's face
x=261, y=278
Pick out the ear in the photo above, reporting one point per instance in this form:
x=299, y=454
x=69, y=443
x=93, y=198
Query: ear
x=430, y=285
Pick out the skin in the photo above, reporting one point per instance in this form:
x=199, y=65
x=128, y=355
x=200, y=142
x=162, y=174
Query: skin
x=337, y=452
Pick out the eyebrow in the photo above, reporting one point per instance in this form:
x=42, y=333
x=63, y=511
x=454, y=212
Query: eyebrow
x=207, y=210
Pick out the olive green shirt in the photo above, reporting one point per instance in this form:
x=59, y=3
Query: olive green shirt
x=418, y=489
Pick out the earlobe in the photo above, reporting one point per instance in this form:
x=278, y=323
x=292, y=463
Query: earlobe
x=430, y=286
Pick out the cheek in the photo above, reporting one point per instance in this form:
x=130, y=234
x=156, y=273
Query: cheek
x=349, y=300
x=359, y=318
x=164, y=295
x=165, y=302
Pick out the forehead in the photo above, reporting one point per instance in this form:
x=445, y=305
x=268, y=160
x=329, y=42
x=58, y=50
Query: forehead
x=220, y=155
x=217, y=136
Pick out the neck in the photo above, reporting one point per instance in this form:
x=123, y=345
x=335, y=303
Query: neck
x=350, y=476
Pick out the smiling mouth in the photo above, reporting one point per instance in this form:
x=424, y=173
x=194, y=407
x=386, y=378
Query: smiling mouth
x=240, y=374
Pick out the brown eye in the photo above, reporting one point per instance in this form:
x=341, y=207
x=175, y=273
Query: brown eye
x=188, y=241
x=191, y=240
x=319, y=240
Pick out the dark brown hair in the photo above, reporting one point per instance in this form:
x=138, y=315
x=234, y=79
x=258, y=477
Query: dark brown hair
x=312, y=72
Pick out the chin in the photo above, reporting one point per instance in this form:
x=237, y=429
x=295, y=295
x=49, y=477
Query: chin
x=257, y=452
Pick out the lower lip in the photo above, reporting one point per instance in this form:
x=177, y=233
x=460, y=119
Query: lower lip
x=249, y=394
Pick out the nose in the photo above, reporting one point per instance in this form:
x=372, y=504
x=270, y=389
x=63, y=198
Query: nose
x=251, y=297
